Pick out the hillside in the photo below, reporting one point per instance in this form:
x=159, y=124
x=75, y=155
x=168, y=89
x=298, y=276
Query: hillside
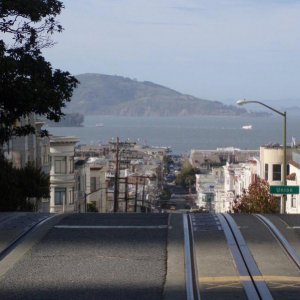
x=116, y=95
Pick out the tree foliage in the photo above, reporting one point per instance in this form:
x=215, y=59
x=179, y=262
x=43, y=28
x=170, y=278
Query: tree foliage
x=28, y=83
x=187, y=176
x=168, y=162
x=91, y=207
x=165, y=194
x=18, y=185
x=257, y=199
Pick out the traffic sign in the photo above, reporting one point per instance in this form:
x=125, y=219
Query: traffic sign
x=284, y=189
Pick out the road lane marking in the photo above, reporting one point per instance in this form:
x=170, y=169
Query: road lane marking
x=109, y=227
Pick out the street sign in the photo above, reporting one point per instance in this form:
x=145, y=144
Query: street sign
x=284, y=189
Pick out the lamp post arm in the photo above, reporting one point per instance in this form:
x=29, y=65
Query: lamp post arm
x=265, y=105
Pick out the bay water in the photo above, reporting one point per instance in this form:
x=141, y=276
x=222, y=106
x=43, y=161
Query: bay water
x=185, y=133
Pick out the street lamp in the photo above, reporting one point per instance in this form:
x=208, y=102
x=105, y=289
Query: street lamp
x=283, y=114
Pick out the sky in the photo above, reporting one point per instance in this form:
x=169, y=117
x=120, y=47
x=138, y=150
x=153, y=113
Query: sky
x=220, y=50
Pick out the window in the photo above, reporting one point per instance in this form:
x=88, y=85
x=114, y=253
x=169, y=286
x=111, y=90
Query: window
x=293, y=201
x=266, y=172
x=93, y=184
x=60, y=196
x=71, y=196
x=60, y=164
x=277, y=172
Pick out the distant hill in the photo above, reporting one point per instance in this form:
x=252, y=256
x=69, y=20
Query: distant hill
x=116, y=95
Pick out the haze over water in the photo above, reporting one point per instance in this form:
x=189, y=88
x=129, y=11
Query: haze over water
x=185, y=133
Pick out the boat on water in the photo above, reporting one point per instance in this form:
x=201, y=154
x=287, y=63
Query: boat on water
x=247, y=127
x=99, y=125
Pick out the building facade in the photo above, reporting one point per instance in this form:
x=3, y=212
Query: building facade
x=62, y=175
x=271, y=163
x=293, y=200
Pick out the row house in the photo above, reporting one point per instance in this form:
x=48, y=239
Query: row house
x=32, y=148
x=54, y=155
x=90, y=184
x=62, y=175
x=217, y=190
x=122, y=175
x=80, y=181
x=237, y=178
x=207, y=187
x=269, y=167
x=136, y=192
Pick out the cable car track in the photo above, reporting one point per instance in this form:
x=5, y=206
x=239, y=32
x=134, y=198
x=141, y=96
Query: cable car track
x=288, y=249
x=249, y=275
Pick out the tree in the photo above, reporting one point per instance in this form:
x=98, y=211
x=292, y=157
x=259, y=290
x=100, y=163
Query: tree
x=10, y=196
x=186, y=177
x=18, y=185
x=165, y=194
x=34, y=183
x=28, y=83
x=257, y=199
x=168, y=160
x=91, y=207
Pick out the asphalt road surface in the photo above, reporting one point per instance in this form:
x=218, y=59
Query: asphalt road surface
x=146, y=256
x=94, y=256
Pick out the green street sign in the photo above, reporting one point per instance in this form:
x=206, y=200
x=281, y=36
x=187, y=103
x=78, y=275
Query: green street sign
x=284, y=189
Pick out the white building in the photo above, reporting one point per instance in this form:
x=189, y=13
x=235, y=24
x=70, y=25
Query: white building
x=32, y=148
x=237, y=178
x=293, y=201
x=62, y=179
x=207, y=186
x=96, y=189
x=271, y=163
x=205, y=158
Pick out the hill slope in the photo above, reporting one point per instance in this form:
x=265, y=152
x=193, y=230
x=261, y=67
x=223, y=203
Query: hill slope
x=116, y=95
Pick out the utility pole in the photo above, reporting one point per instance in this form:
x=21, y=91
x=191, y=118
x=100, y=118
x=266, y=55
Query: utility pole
x=126, y=194
x=143, y=195
x=116, y=181
x=136, y=193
